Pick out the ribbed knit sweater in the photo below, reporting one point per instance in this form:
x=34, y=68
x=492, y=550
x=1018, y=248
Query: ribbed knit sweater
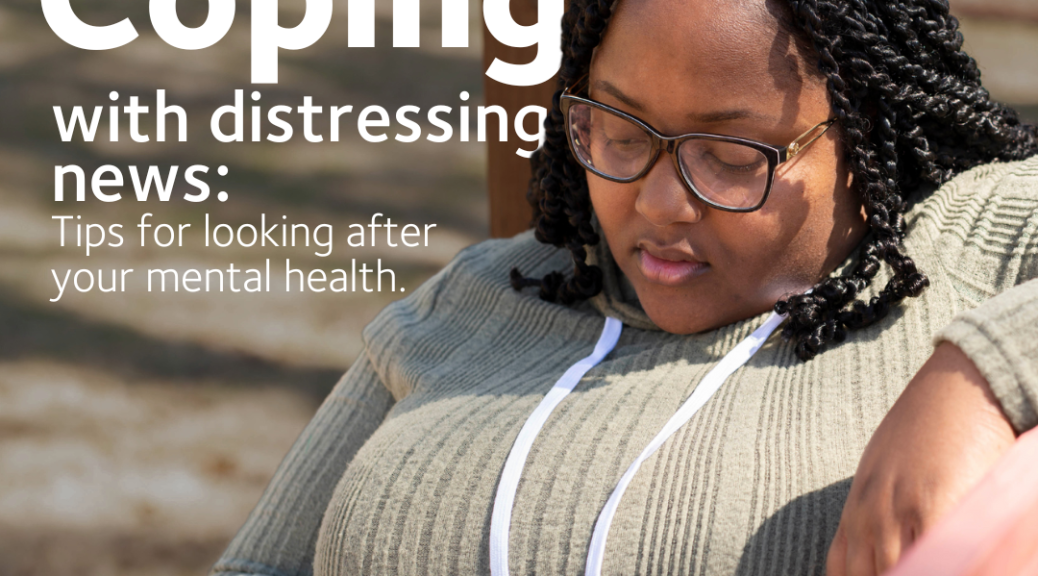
x=397, y=472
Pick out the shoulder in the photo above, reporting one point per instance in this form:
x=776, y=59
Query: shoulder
x=484, y=268
x=466, y=306
x=494, y=258
x=987, y=190
x=982, y=227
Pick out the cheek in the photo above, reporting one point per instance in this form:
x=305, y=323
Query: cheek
x=787, y=239
x=771, y=243
x=613, y=205
x=749, y=243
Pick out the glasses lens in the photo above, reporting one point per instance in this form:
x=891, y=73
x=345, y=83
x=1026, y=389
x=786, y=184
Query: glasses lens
x=725, y=173
x=608, y=143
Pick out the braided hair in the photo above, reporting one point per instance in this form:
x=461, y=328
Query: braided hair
x=912, y=110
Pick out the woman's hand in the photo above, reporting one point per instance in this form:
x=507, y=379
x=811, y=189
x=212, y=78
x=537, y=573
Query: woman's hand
x=940, y=437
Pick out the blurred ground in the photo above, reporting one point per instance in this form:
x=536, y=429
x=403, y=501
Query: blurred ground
x=137, y=430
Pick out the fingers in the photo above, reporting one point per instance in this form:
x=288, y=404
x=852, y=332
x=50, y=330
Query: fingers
x=867, y=547
x=890, y=543
x=849, y=558
x=861, y=559
x=836, y=561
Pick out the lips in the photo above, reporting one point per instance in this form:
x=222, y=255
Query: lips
x=668, y=266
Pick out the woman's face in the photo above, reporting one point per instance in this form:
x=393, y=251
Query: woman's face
x=722, y=67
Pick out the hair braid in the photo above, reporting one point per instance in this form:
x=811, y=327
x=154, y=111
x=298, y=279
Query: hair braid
x=912, y=112
x=558, y=189
x=905, y=60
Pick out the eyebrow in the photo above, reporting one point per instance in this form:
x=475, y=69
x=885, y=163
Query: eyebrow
x=615, y=92
x=705, y=118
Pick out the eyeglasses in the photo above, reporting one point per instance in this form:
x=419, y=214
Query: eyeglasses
x=725, y=172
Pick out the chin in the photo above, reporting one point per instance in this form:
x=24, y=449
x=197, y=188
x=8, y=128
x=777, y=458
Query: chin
x=703, y=311
x=677, y=323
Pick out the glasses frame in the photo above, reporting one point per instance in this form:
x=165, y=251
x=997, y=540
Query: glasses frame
x=775, y=155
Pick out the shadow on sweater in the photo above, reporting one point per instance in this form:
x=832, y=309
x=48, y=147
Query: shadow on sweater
x=806, y=522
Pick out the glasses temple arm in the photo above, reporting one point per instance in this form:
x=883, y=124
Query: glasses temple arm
x=795, y=147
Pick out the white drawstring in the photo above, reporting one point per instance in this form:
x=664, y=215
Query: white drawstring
x=501, y=518
x=710, y=383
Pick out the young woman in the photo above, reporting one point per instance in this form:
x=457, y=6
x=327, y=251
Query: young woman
x=707, y=162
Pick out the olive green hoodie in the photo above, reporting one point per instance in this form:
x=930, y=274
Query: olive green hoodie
x=398, y=470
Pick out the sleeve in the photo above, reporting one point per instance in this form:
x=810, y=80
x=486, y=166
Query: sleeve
x=279, y=536
x=1001, y=338
x=988, y=245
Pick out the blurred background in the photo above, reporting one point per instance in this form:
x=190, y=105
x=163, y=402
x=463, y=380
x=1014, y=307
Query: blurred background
x=137, y=430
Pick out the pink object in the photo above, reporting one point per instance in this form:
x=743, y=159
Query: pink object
x=993, y=531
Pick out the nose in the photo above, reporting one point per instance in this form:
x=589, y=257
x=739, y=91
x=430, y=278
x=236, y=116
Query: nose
x=663, y=198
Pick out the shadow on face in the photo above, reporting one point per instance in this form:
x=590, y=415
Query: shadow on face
x=727, y=68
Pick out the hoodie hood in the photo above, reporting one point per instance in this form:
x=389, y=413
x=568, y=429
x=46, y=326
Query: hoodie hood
x=617, y=298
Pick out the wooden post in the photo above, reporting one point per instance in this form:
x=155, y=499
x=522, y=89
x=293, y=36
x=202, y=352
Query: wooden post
x=508, y=174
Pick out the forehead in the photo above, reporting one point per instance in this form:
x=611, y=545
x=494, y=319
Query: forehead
x=704, y=55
